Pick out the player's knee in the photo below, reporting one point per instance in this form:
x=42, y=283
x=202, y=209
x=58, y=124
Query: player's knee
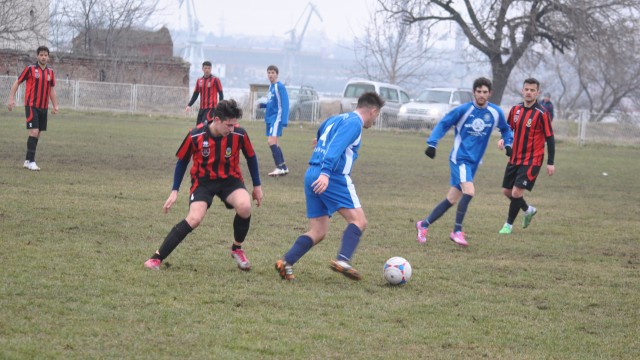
x=243, y=210
x=506, y=192
x=194, y=221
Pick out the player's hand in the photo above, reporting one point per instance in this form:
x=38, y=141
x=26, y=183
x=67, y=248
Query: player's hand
x=508, y=150
x=257, y=195
x=315, y=143
x=11, y=104
x=55, y=109
x=320, y=185
x=551, y=169
x=430, y=152
x=187, y=109
x=170, y=201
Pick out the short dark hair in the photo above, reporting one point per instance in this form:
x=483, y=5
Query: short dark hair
x=547, y=95
x=531, y=81
x=206, y=63
x=370, y=99
x=274, y=68
x=42, y=48
x=481, y=81
x=228, y=109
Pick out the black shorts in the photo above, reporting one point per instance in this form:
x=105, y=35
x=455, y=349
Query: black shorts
x=36, y=118
x=207, y=189
x=522, y=176
x=205, y=115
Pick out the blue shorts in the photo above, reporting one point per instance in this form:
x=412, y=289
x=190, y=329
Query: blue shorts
x=274, y=129
x=462, y=172
x=341, y=193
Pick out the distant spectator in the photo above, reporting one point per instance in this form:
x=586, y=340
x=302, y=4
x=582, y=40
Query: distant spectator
x=546, y=102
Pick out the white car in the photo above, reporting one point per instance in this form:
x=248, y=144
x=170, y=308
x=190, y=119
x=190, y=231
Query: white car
x=431, y=105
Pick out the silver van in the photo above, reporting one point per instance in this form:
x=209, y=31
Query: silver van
x=393, y=95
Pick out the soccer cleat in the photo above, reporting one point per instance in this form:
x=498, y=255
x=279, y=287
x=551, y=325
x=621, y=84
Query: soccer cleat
x=458, y=238
x=26, y=164
x=528, y=216
x=506, y=229
x=284, y=270
x=241, y=259
x=33, y=167
x=422, y=232
x=153, y=264
x=279, y=172
x=345, y=269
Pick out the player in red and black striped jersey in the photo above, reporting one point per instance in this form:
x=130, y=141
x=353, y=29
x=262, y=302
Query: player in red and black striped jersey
x=531, y=125
x=40, y=87
x=215, y=149
x=209, y=88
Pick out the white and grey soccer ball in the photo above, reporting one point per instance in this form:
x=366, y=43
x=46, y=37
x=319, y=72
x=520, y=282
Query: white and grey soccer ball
x=397, y=270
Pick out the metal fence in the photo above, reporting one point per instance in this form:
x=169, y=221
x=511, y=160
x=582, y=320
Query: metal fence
x=168, y=100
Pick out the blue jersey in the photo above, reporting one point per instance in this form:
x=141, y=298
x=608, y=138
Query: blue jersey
x=338, y=143
x=473, y=127
x=277, y=108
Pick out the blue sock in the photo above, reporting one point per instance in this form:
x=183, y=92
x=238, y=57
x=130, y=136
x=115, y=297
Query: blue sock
x=299, y=248
x=437, y=211
x=350, y=239
x=281, y=163
x=462, y=211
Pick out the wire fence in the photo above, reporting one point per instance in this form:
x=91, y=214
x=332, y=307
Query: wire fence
x=615, y=128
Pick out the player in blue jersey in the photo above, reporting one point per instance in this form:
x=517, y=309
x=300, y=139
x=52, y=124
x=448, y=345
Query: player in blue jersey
x=276, y=117
x=473, y=123
x=328, y=187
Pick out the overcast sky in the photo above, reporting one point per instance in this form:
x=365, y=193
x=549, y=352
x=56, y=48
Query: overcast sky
x=341, y=19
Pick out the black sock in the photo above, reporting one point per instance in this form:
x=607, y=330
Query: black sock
x=235, y=247
x=240, y=228
x=173, y=239
x=32, y=144
x=514, y=207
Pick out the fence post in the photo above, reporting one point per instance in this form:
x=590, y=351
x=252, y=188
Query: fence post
x=582, y=128
x=76, y=92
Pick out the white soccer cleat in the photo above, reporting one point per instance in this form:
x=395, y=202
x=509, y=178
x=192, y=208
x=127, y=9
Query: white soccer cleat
x=279, y=172
x=26, y=164
x=33, y=167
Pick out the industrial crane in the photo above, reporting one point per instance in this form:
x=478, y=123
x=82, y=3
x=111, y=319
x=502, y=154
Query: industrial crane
x=294, y=44
x=193, y=52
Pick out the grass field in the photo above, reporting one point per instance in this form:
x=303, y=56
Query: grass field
x=74, y=237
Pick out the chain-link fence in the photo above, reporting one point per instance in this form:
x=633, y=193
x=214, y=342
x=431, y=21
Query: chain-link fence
x=614, y=128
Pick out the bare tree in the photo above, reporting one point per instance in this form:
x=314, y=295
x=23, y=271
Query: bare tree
x=21, y=21
x=503, y=30
x=392, y=51
x=98, y=24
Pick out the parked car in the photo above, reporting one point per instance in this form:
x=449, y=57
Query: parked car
x=393, y=95
x=431, y=105
x=304, y=103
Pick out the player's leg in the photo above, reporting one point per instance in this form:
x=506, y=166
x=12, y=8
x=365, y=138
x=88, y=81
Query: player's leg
x=202, y=116
x=318, y=215
x=274, y=131
x=33, y=129
x=197, y=211
x=508, y=183
x=240, y=200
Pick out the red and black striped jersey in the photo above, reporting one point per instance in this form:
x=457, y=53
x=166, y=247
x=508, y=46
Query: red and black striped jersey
x=39, y=84
x=531, y=127
x=208, y=88
x=215, y=157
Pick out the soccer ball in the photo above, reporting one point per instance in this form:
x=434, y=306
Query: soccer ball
x=397, y=271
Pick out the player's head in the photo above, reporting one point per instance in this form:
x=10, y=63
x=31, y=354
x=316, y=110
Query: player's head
x=547, y=96
x=206, y=68
x=369, y=105
x=227, y=115
x=43, y=55
x=272, y=73
x=530, y=90
x=42, y=48
x=481, y=91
